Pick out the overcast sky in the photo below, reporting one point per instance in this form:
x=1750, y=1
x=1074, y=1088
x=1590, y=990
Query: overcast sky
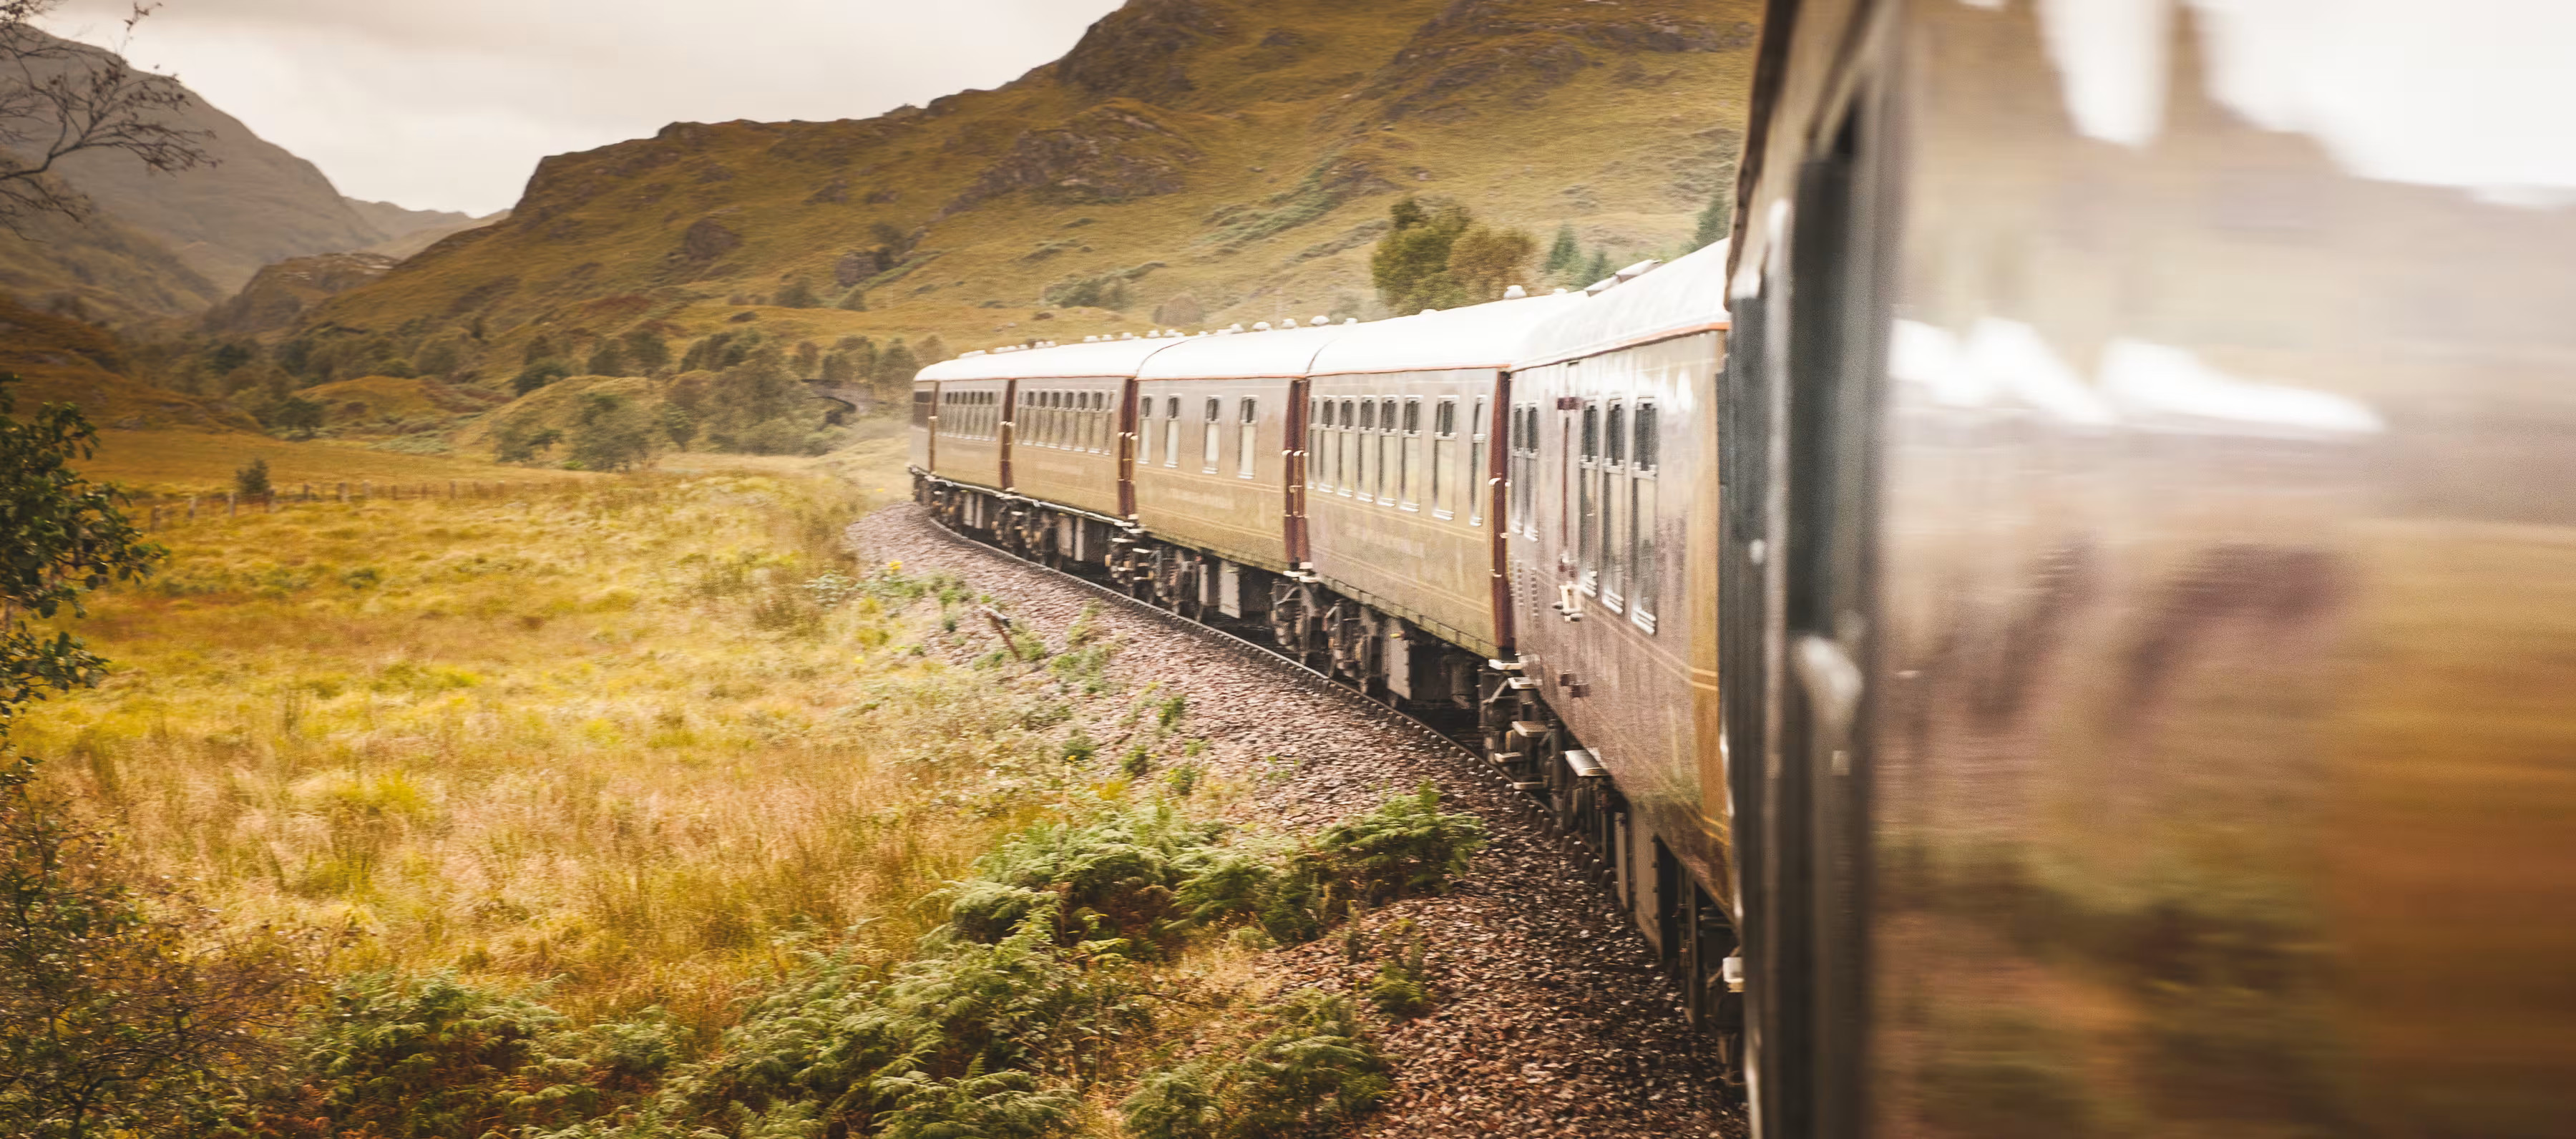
x=448, y=104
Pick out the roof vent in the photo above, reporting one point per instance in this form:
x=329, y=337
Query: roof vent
x=1350, y=320
x=1264, y=326
x=1321, y=321
x=1515, y=293
x=1428, y=312
x=1560, y=291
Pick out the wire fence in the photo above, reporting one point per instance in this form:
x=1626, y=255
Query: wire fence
x=158, y=512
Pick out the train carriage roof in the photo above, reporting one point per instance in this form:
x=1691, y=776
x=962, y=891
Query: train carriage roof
x=1286, y=352
x=1119, y=358
x=1478, y=336
x=1684, y=297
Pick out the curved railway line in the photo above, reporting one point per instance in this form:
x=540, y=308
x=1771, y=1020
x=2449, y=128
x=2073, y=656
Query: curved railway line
x=1553, y=1017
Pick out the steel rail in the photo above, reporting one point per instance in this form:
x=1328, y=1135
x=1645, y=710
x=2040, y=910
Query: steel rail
x=1309, y=678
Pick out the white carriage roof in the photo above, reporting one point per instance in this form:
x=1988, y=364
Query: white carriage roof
x=1244, y=355
x=1478, y=336
x=1672, y=300
x=1119, y=358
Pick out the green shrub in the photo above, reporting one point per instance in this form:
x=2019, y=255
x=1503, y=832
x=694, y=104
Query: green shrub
x=431, y=1056
x=1183, y=779
x=1408, y=846
x=1170, y=711
x=1135, y=763
x=1315, y=1069
x=1403, y=986
x=976, y=1105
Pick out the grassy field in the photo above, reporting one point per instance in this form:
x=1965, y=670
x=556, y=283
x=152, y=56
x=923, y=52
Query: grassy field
x=599, y=732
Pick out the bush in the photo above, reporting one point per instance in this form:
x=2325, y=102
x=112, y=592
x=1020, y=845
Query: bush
x=1406, y=847
x=252, y=480
x=1315, y=1069
x=797, y=294
x=612, y=434
x=538, y=375
x=1403, y=986
x=432, y=1056
x=980, y=1105
x=297, y=416
x=113, y=1018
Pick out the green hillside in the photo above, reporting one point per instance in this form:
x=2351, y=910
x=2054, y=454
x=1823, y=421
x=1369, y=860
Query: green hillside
x=1231, y=158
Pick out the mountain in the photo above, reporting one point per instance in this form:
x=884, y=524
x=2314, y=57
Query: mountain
x=1225, y=157
x=100, y=267
x=173, y=244
x=426, y=233
x=278, y=295
x=58, y=359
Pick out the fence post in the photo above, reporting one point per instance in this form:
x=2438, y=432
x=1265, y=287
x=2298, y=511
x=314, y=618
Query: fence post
x=308, y=492
x=156, y=516
x=344, y=492
x=366, y=489
x=192, y=508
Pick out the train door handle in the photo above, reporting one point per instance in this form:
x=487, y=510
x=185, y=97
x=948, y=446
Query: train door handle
x=1833, y=684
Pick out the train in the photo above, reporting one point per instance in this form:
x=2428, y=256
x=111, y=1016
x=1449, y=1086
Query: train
x=2059, y=626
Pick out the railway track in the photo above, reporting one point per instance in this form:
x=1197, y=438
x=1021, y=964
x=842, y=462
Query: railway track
x=1308, y=678
x=1552, y=1016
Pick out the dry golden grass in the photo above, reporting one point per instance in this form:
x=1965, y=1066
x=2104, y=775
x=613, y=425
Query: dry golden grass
x=188, y=462
x=595, y=735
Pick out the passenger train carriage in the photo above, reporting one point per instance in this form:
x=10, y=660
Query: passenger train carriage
x=2060, y=628
x=2149, y=569
x=1404, y=506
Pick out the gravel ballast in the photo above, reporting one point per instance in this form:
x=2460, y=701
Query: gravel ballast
x=1549, y=1018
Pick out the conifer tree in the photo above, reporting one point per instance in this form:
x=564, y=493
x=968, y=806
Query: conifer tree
x=1715, y=222
x=1565, y=256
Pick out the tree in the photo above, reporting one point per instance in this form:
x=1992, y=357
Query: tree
x=896, y=367
x=1564, y=257
x=1599, y=269
x=612, y=434
x=647, y=351
x=797, y=294
x=1717, y=221
x=297, y=416
x=252, y=481
x=538, y=375
x=856, y=300
x=679, y=425
x=1411, y=264
x=933, y=350
x=609, y=359
x=58, y=99
x=117, y=1008
x=66, y=536
x=1485, y=261
x=123, y=1010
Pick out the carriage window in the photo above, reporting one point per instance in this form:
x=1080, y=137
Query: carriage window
x=1245, y=437
x=1614, y=486
x=1646, y=567
x=1524, y=469
x=1444, y=449
x=1587, y=538
x=1314, y=439
x=1207, y=456
x=1172, y=432
x=1473, y=481
x=1386, y=444
x=1408, y=462
x=1366, y=443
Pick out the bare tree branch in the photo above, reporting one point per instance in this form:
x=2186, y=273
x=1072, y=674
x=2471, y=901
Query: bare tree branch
x=58, y=99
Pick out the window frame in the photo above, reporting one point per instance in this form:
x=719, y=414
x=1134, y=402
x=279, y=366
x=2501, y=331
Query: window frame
x=1474, y=482
x=1213, y=437
x=1645, y=492
x=1247, y=437
x=1444, y=446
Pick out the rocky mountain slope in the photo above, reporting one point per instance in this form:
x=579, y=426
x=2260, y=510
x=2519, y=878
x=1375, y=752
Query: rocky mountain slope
x=173, y=244
x=1222, y=157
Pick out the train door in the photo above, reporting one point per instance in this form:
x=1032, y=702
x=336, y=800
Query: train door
x=1814, y=800
x=1292, y=475
x=1128, y=427
x=1008, y=433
